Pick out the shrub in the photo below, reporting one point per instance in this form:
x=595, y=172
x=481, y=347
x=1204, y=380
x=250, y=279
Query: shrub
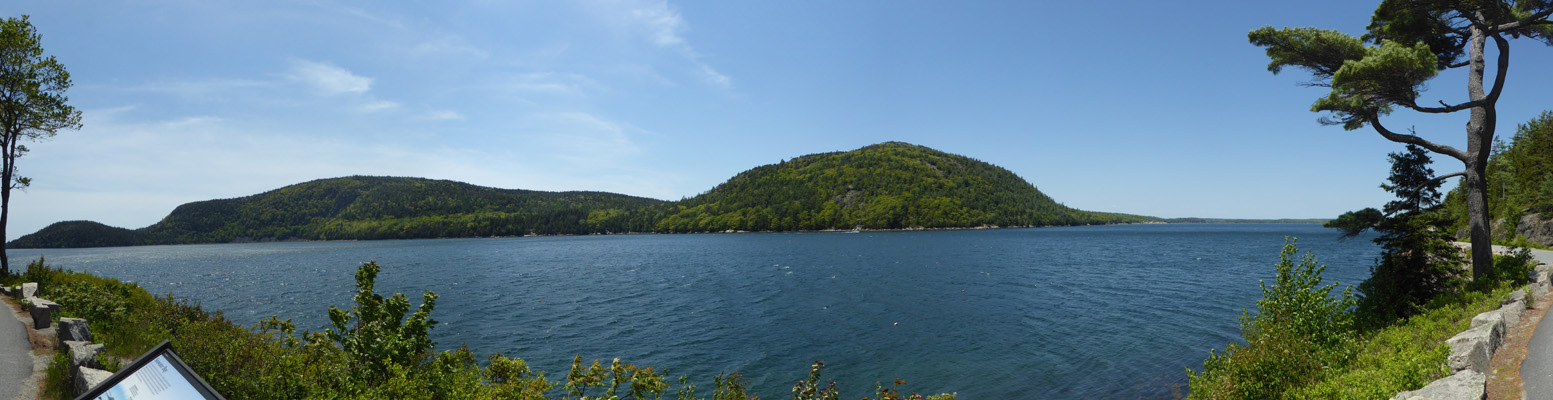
x=1299, y=330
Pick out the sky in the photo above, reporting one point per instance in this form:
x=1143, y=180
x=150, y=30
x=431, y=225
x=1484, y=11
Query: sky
x=1142, y=107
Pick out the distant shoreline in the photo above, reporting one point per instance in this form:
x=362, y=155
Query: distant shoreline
x=244, y=241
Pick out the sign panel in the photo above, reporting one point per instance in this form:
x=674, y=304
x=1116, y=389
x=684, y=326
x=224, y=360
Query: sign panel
x=157, y=375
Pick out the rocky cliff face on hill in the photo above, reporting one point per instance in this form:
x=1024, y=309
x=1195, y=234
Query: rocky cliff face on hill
x=1536, y=229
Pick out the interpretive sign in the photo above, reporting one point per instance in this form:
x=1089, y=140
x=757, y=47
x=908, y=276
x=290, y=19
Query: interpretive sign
x=157, y=375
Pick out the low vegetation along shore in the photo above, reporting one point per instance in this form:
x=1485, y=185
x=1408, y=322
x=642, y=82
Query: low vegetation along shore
x=378, y=348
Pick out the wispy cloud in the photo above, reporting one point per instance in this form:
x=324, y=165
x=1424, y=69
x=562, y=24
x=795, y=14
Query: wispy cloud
x=376, y=105
x=582, y=137
x=199, y=88
x=328, y=79
x=448, y=45
x=570, y=84
x=444, y=115
x=661, y=24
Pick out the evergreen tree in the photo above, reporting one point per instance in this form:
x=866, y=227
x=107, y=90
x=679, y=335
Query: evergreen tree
x=1418, y=262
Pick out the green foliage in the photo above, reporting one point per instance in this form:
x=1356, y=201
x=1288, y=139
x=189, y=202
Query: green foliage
x=1391, y=73
x=1418, y=261
x=1520, y=179
x=1350, y=361
x=57, y=383
x=366, y=208
x=33, y=105
x=1300, y=329
x=884, y=186
x=382, y=336
x=1413, y=40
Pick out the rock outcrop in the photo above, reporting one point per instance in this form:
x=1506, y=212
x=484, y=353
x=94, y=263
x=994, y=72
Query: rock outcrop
x=1536, y=229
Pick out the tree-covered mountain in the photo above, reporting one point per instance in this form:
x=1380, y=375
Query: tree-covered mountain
x=364, y=208
x=884, y=186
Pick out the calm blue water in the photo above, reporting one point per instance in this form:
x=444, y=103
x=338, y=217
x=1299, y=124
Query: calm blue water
x=1082, y=312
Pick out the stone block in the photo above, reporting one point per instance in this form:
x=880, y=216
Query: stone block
x=84, y=354
x=1461, y=385
x=74, y=329
x=42, y=312
x=1470, y=356
x=87, y=378
x=1512, y=313
x=1472, y=349
x=29, y=289
x=1518, y=295
x=1491, y=317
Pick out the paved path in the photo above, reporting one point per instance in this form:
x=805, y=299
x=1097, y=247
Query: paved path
x=15, y=354
x=1537, y=368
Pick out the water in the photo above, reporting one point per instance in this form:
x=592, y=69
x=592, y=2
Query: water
x=1082, y=312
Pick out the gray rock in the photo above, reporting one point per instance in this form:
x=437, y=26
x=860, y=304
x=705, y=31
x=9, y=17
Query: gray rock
x=42, y=312
x=1470, y=356
x=1491, y=317
x=1510, y=312
x=1472, y=349
x=74, y=329
x=1518, y=295
x=84, y=354
x=29, y=289
x=87, y=378
x=1536, y=229
x=1462, y=385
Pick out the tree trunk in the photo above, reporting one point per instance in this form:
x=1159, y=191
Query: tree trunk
x=1480, y=138
x=1477, y=217
x=5, y=212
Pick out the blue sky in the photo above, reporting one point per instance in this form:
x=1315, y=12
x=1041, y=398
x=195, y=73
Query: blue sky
x=1154, y=108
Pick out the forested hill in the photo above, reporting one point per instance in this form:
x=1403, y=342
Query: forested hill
x=884, y=186
x=368, y=208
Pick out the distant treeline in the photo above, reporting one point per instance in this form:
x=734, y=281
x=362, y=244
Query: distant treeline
x=1245, y=221
x=884, y=186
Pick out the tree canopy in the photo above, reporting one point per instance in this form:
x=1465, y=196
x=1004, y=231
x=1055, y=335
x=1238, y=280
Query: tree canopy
x=33, y=106
x=1405, y=46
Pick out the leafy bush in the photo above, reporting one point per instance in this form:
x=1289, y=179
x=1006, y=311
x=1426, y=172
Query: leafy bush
x=1299, y=330
x=381, y=336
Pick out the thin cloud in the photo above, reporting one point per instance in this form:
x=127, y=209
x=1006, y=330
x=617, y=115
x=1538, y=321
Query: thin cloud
x=444, y=115
x=663, y=26
x=446, y=46
x=569, y=84
x=328, y=79
x=375, y=106
x=662, y=23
